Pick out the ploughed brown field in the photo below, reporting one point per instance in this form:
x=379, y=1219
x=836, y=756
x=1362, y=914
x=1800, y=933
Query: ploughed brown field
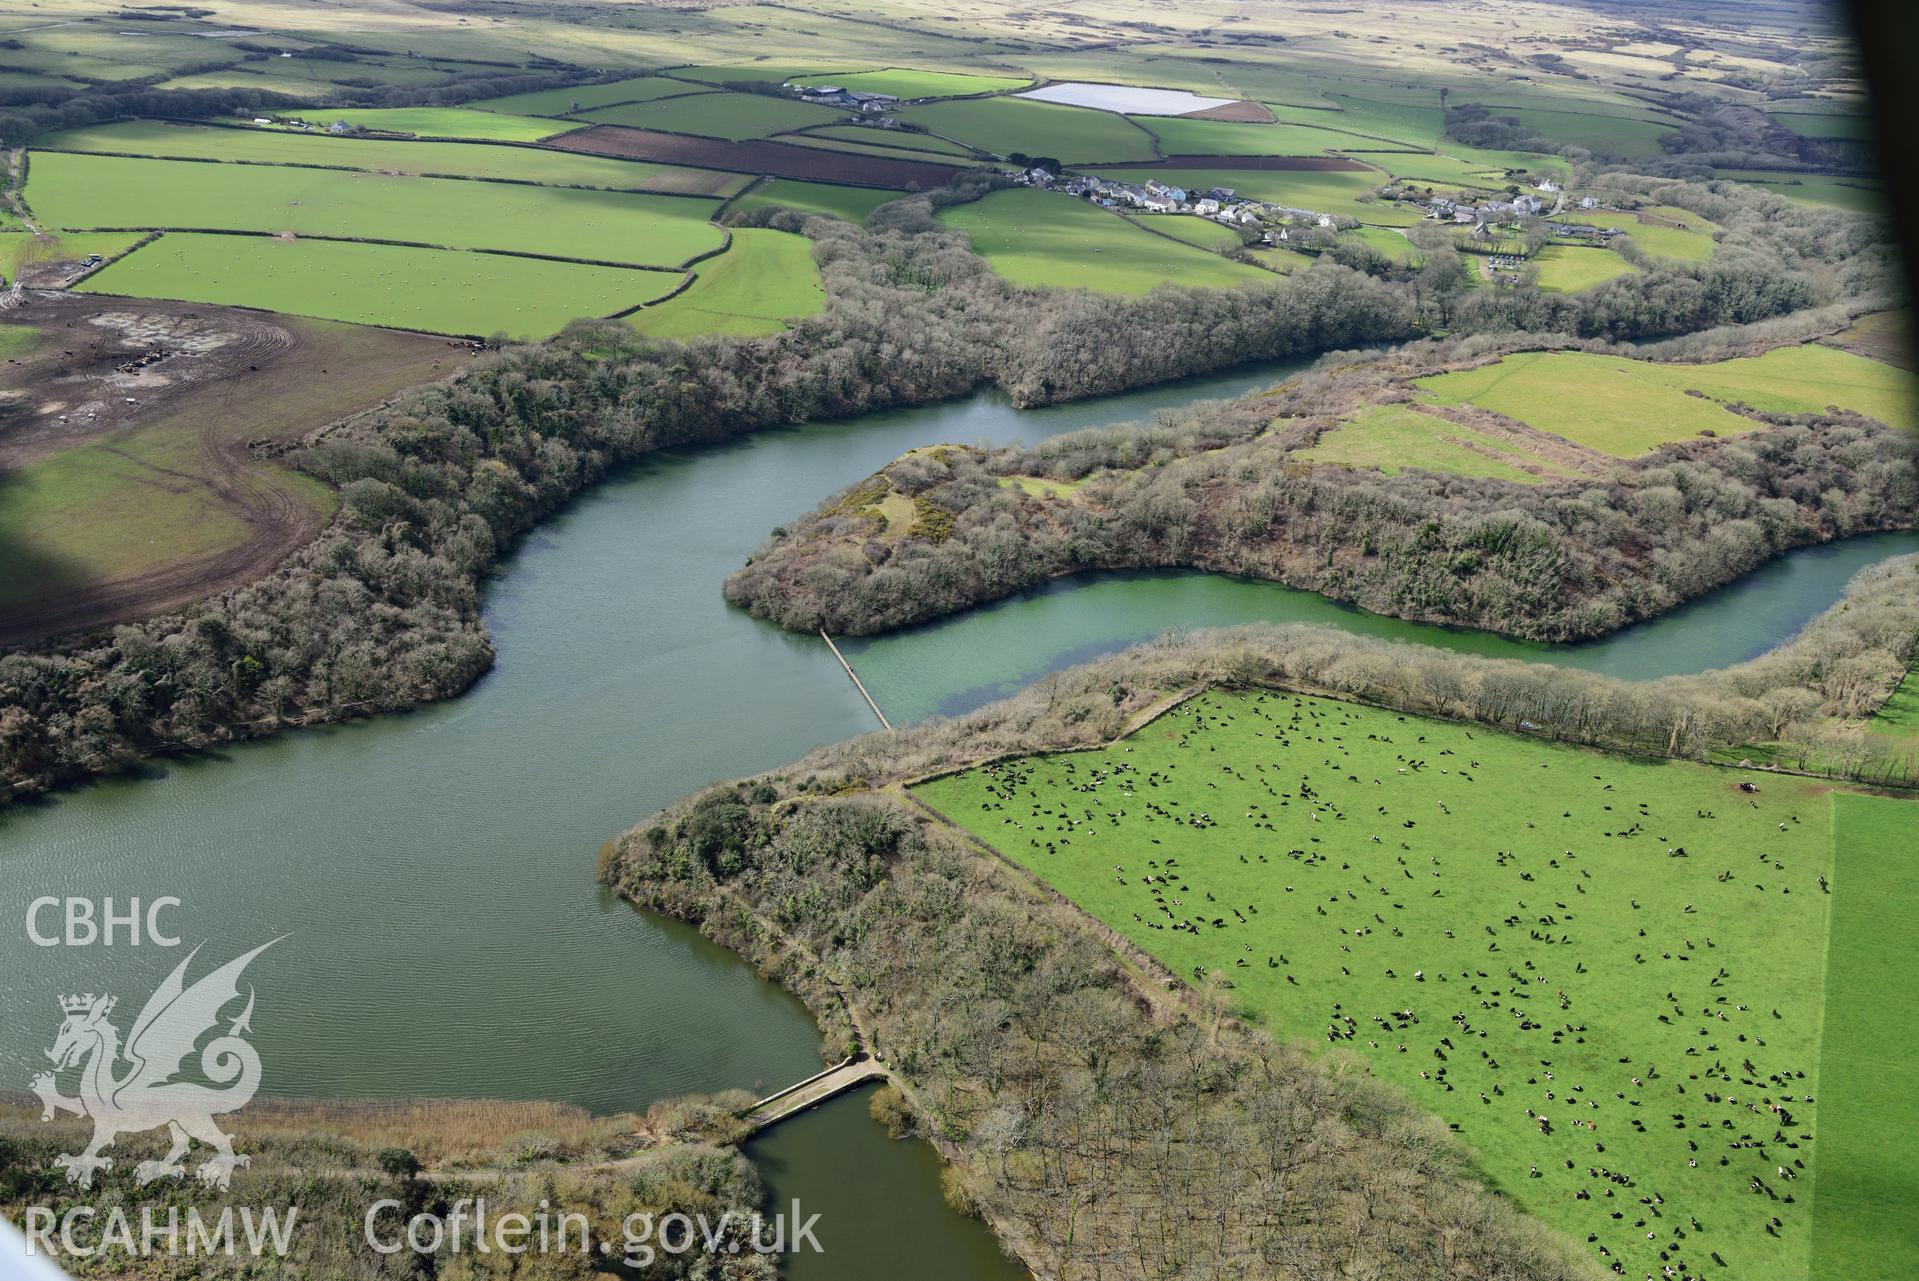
x=781, y=160
x=1245, y=112
x=1312, y=163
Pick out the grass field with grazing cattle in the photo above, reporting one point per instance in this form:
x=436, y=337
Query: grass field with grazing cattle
x=1044, y=240
x=1627, y=407
x=646, y=230
x=436, y=290
x=765, y=279
x=1606, y=973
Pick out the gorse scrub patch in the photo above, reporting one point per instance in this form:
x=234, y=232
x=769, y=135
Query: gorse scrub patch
x=1604, y=973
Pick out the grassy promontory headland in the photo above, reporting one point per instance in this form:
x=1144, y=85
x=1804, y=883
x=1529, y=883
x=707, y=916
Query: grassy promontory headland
x=1531, y=485
x=1105, y=1117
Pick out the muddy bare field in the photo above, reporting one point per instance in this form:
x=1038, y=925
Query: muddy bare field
x=781, y=160
x=223, y=388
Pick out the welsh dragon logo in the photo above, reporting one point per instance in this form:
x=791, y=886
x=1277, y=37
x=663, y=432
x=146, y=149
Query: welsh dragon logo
x=146, y=1095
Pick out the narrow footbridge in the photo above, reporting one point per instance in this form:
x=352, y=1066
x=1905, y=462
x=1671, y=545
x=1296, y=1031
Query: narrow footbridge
x=813, y=1091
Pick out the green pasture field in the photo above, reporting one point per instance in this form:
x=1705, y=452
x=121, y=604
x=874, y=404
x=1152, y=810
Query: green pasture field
x=733, y=116
x=865, y=147
x=242, y=78
x=1525, y=161
x=753, y=289
x=1203, y=232
x=1179, y=136
x=1043, y=240
x=905, y=82
x=1626, y=407
x=458, y=159
x=1388, y=438
x=1806, y=379
x=1608, y=134
x=1824, y=124
x=1865, y=1215
x=1284, y=261
x=1388, y=242
x=1605, y=973
x=1692, y=242
x=562, y=102
x=1567, y=269
x=1002, y=126
x=448, y=122
x=1854, y=195
x=1396, y=124
x=850, y=203
x=1348, y=193
x=658, y=231
x=1436, y=170
x=1901, y=711
x=434, y=290
x=892, y=139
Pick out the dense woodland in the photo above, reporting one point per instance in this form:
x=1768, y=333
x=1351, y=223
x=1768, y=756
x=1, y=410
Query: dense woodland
x=382, y=612
x=1216, y=486
x=1104, y=1120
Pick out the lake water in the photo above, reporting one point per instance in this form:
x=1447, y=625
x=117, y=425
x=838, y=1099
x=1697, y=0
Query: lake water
x=432, y=874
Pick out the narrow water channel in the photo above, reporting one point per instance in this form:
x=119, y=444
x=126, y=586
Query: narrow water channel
x=432, y=873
